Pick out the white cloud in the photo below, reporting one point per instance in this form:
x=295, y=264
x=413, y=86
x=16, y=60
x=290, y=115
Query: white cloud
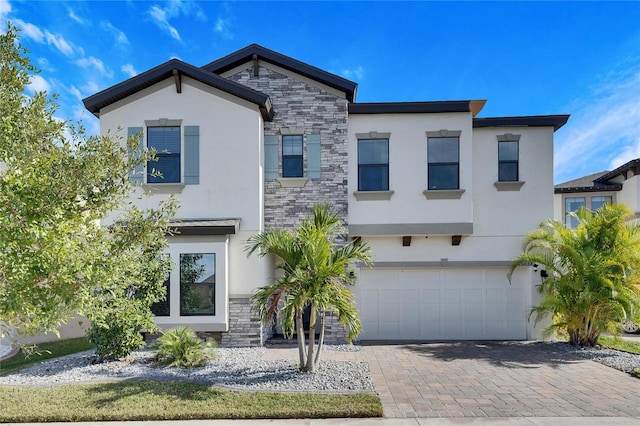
x=175, y=9
x=160, y=18
x=59, y=42
x=44, y=64
x=38, y=84
x=90, y=87
x=75, y=92
x=93, y=62
x=29, y=30
x=75, y=17
x=5, y=9
x=129, y=70
x=604, y=129
x=120, y=36
x=222, y=27
x=356, y=73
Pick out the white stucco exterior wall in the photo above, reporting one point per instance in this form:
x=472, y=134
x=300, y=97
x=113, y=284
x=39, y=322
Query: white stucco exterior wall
x=231, y=173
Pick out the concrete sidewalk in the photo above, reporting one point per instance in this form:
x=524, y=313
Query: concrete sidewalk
x=502, y=421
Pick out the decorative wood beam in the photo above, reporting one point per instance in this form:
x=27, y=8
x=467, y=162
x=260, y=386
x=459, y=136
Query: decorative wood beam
x=178, y=80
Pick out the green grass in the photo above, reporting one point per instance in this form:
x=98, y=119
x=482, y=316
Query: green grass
x=617, y=343
x=172, y=400
x=45, y=351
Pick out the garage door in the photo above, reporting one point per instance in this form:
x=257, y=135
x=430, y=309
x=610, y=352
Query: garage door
x=440, y=304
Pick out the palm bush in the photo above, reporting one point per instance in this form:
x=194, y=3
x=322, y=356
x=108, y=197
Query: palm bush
x=181, y=347
x=592, y=272
x=315, y=274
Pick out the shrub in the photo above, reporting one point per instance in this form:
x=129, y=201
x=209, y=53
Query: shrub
x=181, y=347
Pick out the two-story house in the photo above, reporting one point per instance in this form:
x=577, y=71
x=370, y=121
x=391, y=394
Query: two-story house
x=253, y=140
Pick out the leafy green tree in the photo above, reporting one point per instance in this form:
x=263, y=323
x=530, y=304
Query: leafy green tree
x=315, y=274
x=57, y=186
x=592, y=272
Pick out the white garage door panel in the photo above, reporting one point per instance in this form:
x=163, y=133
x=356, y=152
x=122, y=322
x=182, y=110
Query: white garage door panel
x=440, y=304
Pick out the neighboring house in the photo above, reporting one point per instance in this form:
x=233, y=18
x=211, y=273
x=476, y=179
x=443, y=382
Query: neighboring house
x=253, y=140
x=621, y=185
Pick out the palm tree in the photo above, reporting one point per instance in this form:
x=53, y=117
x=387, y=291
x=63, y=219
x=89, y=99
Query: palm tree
x=315, y=275
x=592, y=272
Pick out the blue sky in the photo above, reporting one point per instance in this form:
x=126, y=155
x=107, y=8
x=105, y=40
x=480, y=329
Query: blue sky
x=524, y=58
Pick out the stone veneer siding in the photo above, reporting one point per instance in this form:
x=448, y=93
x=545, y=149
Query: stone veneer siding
x=245, y=328
x=297, y=104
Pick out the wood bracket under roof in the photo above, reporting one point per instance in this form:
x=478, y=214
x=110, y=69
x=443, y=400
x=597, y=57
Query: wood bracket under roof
x=256, y=70
x=178, y=80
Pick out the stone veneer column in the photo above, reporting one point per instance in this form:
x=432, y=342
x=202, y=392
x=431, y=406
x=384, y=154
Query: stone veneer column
x=316, y=111
x=245, y=329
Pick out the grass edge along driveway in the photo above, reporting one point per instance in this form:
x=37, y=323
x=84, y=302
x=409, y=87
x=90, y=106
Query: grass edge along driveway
x=172, y=400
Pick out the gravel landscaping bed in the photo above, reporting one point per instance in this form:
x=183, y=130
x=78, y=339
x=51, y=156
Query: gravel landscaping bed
x=235, y=368
x=620, y=360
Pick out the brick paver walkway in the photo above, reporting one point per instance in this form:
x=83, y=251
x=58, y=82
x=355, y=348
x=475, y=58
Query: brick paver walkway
x=477, y=379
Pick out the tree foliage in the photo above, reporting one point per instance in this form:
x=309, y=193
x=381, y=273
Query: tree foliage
x=57, y=187
x=315, y=275
x=592, y=272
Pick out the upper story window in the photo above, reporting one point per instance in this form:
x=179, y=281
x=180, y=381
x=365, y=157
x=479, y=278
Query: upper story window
x=292, y=159
x=508, y=161
x=443, y=155
x=166, y=142
x=373, y=164
x=573, y=204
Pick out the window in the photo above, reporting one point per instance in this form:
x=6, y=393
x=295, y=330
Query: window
x=573, y=204
x=166, y=142
x=292, y=156
x=599, y=201
x=444, y=162
x=373, y=164
x=197, y=284
x=508, y=161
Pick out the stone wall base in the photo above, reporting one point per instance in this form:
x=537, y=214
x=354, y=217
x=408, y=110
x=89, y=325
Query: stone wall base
x=245, y=328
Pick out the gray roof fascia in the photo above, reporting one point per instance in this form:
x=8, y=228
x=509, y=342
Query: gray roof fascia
x=246, y=54
x=574, y=189
x=409, y=107
x=633, y=164
x=557, y=121
x=96, y=102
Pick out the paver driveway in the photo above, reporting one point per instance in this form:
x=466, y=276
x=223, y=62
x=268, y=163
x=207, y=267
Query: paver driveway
x=494, y=379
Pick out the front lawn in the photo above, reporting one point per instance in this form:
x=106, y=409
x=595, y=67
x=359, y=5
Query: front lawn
x=171, y=400
x=619, y=344
x=45, y=351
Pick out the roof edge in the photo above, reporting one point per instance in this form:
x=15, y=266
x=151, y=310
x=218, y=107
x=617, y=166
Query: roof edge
x=472, y=106
x=122, y=90
x=245, y=54
x=555, y=121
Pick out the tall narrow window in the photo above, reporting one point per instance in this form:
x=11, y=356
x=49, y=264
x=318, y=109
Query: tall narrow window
x=292, y=156
x=198, y=284
x=373, y=164
x=163, y=308
x=444, y=163
x=508, y=161
x=166, y=142
x=572, y=204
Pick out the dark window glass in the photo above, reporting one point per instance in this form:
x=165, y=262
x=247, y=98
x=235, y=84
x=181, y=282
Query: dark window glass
x=292, y=156
x=166, y=142
x=373, y=165
x=444, y=163
x=508, y=161
x=198, y=284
